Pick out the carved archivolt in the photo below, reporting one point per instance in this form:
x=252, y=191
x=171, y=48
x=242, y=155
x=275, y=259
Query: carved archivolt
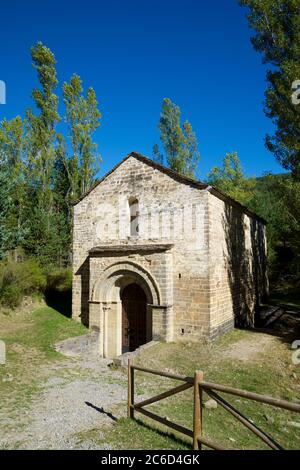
x=115, y=277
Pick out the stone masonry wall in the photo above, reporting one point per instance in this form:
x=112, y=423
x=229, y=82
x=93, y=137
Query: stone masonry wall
x=213, y=276
x=169, y=212
x=160, y=265
x=237, y=264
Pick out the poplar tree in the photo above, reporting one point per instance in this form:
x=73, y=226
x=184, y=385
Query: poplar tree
x=179, y=141
x=83, y=119
x=45, y=239
x=41, y=127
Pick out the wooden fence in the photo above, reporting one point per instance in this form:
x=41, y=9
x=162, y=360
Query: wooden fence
x=199, y=386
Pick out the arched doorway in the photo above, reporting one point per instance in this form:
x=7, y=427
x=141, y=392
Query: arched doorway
x=106, y=307
x=134, y=317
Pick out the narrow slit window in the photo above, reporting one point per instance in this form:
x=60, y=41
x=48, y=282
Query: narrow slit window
x=134, y=217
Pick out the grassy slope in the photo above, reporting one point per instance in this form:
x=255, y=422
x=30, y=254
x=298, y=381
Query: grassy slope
x=29, y=338
x=272, y=375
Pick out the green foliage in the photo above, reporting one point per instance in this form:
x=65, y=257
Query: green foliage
x=157, y=155
x=6, y=207
x=230, y=179
x=21, y=278
x=39, y=177
x=41, y=128
x=60, y=280
x=11, y=143
x=13, y=185
x=83, y=118
x=49, y=237
x=276, y=198
x=18, y=280
x=277, y=26
x=179, y=142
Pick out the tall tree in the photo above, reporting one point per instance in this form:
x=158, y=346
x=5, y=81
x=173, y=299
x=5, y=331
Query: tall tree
x=11, y=143
x=179, y=142
x=157, y=155
x=44, y=238
x=277, y=26
x=8, y=239
x=230, y=178
x=41, y=127
x=39, y=176
x=13, y=184
x=83, y=119
x=191, y=156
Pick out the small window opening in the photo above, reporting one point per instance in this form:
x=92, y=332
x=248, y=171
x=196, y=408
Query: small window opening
x=134, y=217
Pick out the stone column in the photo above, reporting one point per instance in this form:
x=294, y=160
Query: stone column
x=169, y=323
x=169, y=315
x=96, y=322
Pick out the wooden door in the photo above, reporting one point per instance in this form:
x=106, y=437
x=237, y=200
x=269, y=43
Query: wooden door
x=134, y=322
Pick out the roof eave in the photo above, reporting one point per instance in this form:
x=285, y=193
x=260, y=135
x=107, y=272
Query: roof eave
x=181, y=178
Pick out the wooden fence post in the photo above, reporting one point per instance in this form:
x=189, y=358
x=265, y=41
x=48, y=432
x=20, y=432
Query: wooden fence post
x=197, y=426
x=130, y=402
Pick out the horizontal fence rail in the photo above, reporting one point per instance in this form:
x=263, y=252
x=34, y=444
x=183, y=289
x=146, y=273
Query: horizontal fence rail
x=165, y=374
x=199, y=386
x=252, y=396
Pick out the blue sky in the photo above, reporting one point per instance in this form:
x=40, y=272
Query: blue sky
x=136, y=52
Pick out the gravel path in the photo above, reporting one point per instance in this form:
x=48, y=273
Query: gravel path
x=78, y=395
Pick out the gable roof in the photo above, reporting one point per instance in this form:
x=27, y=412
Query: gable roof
x=177, y=177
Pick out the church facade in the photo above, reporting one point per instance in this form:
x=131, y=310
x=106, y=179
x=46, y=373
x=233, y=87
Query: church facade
x=158, y=256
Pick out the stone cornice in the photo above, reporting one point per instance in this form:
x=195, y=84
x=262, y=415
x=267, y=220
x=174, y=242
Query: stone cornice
x=134, y=248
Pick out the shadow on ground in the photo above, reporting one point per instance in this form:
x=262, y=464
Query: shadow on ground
x=60, y=301
x=102, y=411
x=165, y=434
x=286, y=328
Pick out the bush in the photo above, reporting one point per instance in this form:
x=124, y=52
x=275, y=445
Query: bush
x=59, y=280
x=20, y=279
x=11, y=295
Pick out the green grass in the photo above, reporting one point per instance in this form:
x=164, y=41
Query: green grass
x=271, y=374
x=30, y=355
x=29, y=342
x=138, y=435
x=286, y=299
x=46, y=326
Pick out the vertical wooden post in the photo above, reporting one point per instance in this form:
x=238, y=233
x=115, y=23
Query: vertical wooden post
x=130, y=402
x=197, y=427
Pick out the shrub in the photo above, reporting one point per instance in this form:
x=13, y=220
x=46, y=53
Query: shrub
x=20, y=279
x=59, y=280
x=11, y=296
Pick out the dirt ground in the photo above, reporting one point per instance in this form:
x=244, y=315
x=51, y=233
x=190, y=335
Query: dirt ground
x=70, y=403
x=76, y=395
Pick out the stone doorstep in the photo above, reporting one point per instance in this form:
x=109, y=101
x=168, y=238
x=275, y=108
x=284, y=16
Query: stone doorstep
x=78, y=345
x=122, y=360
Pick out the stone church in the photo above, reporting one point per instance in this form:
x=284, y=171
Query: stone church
x=159, y=256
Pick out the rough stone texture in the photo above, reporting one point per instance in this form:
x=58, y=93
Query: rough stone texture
x=210, y=404
x=237, y=264
x=78, y=345
x=200, y=259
